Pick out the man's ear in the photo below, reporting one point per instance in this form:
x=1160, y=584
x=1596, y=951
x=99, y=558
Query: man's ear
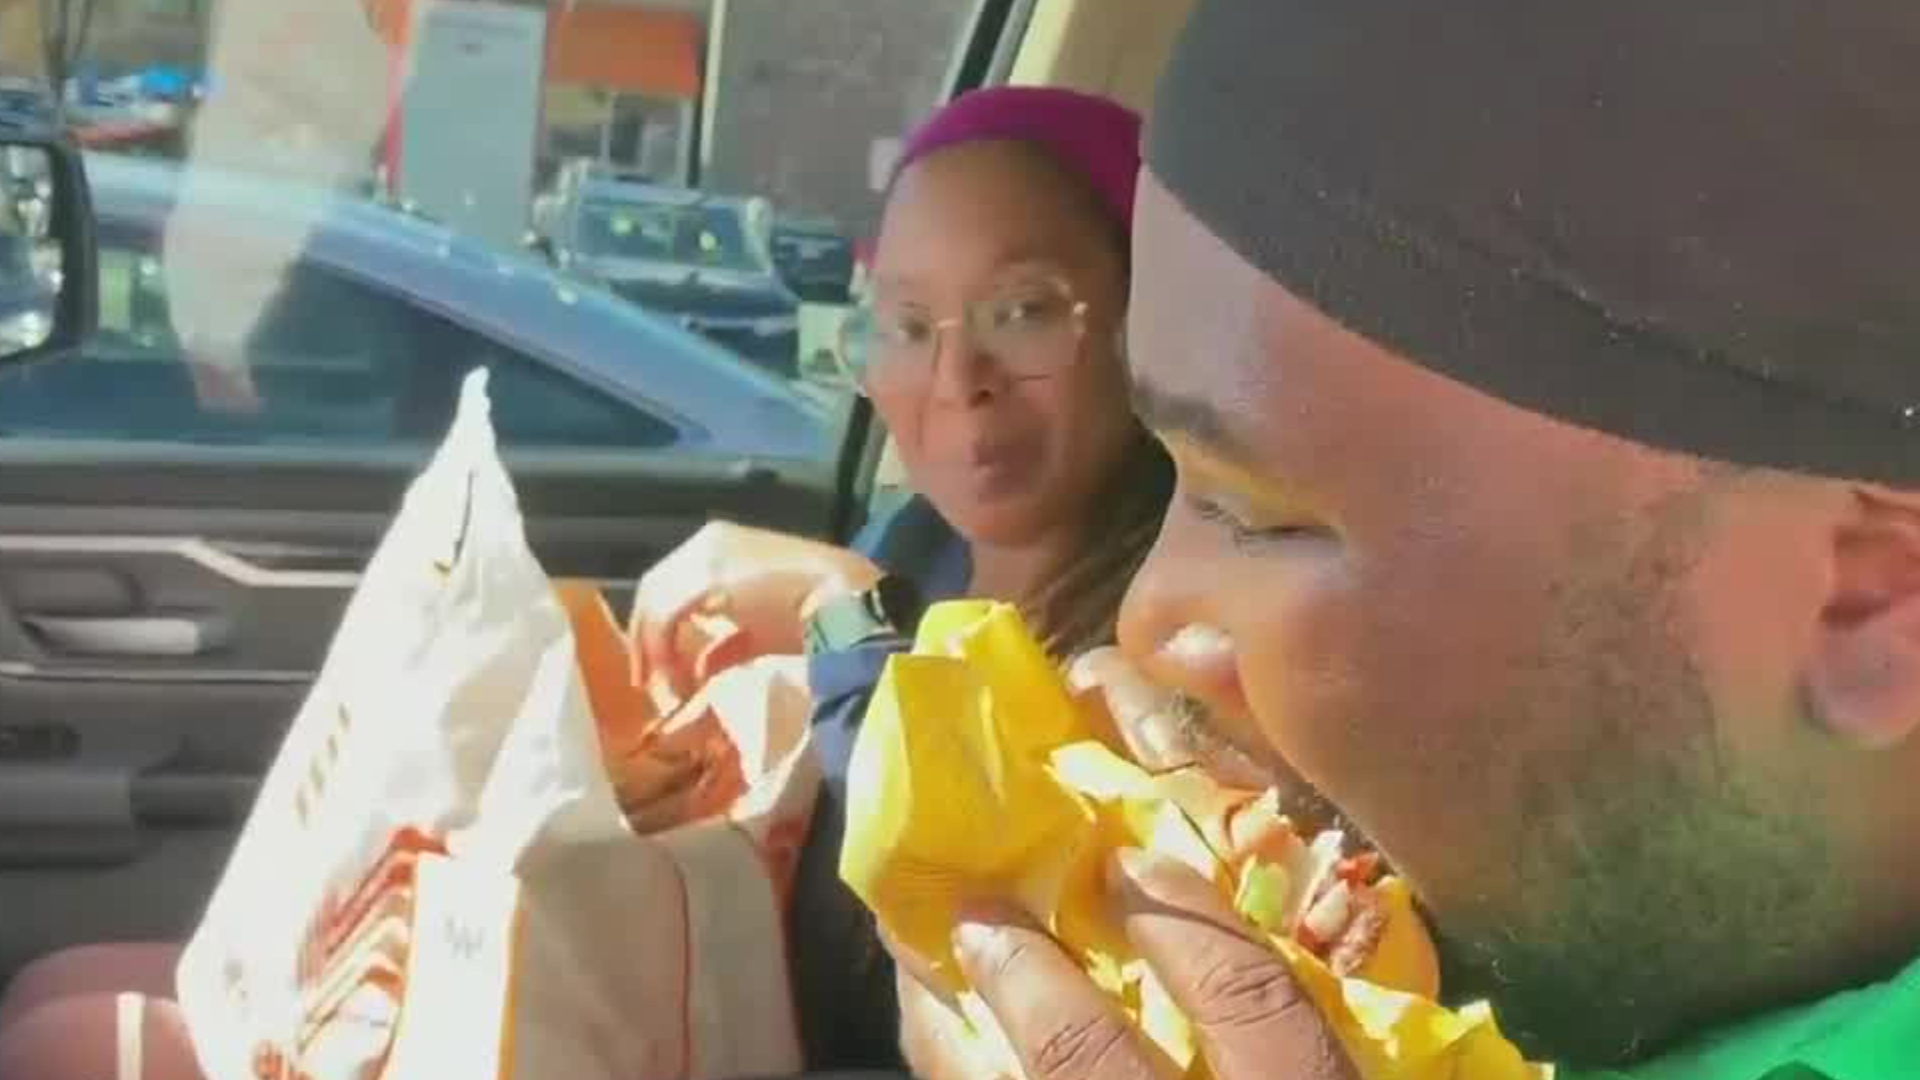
x=1864, y=678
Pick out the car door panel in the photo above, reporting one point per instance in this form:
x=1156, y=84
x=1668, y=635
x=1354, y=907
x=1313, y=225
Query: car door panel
x=163, y=612
x=164, y=603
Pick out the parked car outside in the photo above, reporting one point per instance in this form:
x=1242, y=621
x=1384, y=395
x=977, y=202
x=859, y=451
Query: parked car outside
x=703, y=260
x=374, y=324
x=815, y=258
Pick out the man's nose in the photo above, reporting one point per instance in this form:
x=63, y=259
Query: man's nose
x=1169, y=629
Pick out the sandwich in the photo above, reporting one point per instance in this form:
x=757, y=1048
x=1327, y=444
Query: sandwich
x=983, y=770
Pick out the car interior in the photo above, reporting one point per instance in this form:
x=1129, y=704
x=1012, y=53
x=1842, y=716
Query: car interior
x=160, y=618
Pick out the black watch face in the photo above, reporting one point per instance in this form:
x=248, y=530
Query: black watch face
x=894, y=600
x=885, y=601
x=846, y=621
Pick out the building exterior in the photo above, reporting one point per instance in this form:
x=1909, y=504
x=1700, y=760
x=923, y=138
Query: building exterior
x=622, y=81
x=800, y=101
x=810, y=96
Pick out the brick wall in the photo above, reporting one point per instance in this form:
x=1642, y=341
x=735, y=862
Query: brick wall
x=806, y=86
x=136, y=33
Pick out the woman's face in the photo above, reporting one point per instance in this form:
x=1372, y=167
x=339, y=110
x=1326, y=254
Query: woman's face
x=998, y=292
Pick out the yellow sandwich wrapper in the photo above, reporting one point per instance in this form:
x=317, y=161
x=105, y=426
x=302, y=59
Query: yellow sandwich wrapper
x=977, y=773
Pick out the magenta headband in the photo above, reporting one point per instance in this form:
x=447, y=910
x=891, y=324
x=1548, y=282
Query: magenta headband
x=1096, y=138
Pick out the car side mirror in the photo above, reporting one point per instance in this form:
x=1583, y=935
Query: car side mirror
x=48, y=286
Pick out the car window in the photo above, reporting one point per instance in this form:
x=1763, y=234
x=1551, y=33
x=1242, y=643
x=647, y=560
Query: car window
x=15, y=250
x=535, y=405
x=26, y=292
x=661, y=134
x=324, y=362
x=331, y=362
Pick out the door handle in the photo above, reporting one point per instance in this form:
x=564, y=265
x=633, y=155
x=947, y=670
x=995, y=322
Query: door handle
x=178, y=800
x=149, y=637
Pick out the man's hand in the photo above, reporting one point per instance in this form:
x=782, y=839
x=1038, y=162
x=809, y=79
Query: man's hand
x=1250, y=1019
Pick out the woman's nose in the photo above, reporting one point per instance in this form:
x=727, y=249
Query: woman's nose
x=962, y=373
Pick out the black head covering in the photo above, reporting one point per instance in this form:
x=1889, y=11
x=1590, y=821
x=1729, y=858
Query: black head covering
x=1690, y=223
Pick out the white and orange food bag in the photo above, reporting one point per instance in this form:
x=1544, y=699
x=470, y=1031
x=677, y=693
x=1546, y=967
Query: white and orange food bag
x=475, y=857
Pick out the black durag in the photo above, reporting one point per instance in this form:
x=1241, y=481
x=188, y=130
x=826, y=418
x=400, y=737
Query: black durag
x=1695, y=225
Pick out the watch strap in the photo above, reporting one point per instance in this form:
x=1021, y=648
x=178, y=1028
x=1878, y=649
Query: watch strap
x=891, y=606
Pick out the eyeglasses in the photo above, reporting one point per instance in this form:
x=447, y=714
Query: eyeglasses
x=1031, y=327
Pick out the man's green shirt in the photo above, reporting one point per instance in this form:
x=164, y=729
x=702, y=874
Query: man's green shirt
x=1867, y=1034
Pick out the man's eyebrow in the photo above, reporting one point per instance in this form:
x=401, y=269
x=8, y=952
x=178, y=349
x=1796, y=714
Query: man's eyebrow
x=1191, y=419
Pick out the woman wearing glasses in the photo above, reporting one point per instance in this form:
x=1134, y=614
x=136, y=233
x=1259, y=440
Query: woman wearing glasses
x=990, y=348
x=989, y=344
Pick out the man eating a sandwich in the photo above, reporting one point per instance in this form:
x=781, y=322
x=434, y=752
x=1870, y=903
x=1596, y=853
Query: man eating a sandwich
x=1544, y=385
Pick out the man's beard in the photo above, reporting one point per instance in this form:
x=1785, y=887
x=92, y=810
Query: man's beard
x=1656, y=884
x=1660, y=918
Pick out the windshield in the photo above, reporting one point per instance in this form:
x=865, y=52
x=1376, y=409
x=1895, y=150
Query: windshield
x=709, y=237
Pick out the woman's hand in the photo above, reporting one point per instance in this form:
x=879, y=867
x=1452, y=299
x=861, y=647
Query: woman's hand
x=764, y=582
x=1250, y=1020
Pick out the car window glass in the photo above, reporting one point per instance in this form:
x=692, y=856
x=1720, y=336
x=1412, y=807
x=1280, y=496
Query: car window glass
x=15, y=253
x=325, y=362
x=536, y=405
x=538, y=408
x=133, y=319
x=29, y=264
x=332, y=363
x=640, y=151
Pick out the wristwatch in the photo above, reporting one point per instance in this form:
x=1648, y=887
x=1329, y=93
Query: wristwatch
x=890, y=606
